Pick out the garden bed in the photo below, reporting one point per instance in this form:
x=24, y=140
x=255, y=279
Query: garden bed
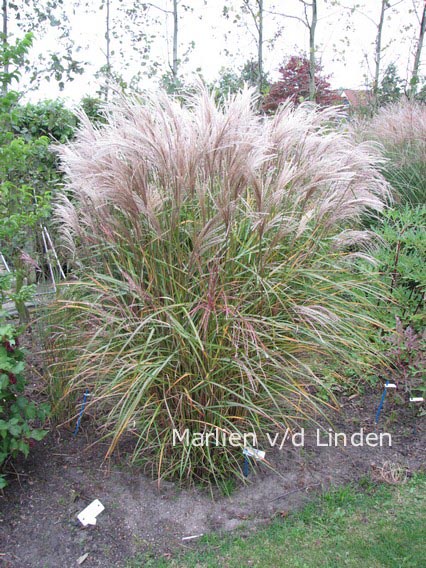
x=39, y=528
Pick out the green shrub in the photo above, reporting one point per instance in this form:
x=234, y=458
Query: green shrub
x=45, y=118
x=27, y=178
x=24, y=205
x=215, y=251
x=17, y=414
x=402, y=264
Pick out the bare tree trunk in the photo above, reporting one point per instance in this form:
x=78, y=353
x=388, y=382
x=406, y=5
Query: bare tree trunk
x=4, y=40
x=312, y=58
x=415, y=75
x=378, y=51
x=256, y=10
x=175, y=39
x=108, y=47
x=260, y=48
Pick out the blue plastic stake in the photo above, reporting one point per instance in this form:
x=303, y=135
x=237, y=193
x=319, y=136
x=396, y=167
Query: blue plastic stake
x=379, y=410
x=246, y=466
x=77, y=426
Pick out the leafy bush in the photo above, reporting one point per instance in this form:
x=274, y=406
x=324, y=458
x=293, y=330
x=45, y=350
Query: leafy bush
x=407, y=352
x=402, y=264
x=294, y=84
x=24, y=203
x=45, y=118
x=391, y=87
x=232, y=80
x=401, y=258
x=28, y=174
x=92, y=108
x=216, y=251
x=17, y=413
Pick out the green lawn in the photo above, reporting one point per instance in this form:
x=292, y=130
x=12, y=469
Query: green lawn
x=365, y=528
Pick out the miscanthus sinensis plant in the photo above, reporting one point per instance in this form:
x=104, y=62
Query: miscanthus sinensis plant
x=401, y=130
x=214, y=249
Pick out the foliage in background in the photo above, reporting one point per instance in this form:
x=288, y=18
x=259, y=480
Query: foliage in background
x=401, y=264
x=92, y=108
x=26, y=176
x=29, y=172
x=12, y=58
x=24, y=204
x=401, y=128
x=46, y=118
x=41, y=18
x=26, y=181
x=231, y=81
x=401, y=258
x=407, y=352
x=391, y=86
x=17, y=413
x=215, y=251
x=294, y=85
x=421, y=95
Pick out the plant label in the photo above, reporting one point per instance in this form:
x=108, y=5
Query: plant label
x=89, y=514
x=253, y=453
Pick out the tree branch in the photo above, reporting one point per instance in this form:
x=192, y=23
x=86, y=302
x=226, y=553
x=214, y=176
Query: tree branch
x=308, y=25
x=286, y=16
x=253, y=15
x=158, y=8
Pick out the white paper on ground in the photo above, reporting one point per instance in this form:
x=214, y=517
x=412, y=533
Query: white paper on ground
x=417, y=399
x=89, y=514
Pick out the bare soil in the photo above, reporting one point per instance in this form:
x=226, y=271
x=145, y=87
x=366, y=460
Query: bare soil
x=63, y=474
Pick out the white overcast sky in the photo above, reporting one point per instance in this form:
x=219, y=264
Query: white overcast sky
x=221, y=43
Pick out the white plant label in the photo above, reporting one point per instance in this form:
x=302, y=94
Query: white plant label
x=253, y=453
x=89, y=514
x=417, y=399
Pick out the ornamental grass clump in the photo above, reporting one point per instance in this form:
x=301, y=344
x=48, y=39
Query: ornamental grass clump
x=214, y=252
x=401, y=129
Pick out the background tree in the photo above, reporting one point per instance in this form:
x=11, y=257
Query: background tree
x=40, y=17
x=295, y=83
x=171, y=80
x=416, y=65
x=108, y=45
x=129, y=36
x=231, y=80
x=386, y=9
x=175, y=63
x=24, y=187
x=385, y=5
x=4, y=39
x=256, y=11
x=391, y=86
x=309, y=20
